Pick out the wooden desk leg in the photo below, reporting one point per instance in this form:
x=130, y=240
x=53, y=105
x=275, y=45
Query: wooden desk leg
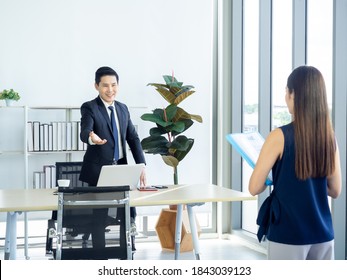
x=11, y=236
x=194, y=231
x=178, y=230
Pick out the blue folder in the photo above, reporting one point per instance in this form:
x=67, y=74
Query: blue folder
x=240, y=141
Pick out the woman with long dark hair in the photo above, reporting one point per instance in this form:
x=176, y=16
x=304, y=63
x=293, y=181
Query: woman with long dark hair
x=304, y=158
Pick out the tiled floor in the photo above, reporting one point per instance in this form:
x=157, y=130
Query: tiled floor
x=234, y=248
x=211, y=249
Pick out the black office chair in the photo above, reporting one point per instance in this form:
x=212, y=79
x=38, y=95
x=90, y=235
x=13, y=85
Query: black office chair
x=71, y=171
x=80, y=207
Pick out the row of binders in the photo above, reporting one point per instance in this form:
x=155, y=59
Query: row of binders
x=45, y=179
x=54, y=136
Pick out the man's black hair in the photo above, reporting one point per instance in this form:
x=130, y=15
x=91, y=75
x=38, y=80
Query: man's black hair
x=105, y=71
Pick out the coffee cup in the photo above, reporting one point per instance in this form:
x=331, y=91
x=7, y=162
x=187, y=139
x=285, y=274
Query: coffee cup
x=63, y=183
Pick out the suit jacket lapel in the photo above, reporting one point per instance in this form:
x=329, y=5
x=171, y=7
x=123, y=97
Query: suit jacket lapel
x=103, y=112
x=120, y=118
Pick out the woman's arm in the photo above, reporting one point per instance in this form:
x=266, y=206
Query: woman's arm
x=334, y=180
x=270, y=152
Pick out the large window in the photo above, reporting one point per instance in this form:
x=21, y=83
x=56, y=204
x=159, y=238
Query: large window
x=281, y=59
x=319, y=53
x=250, y=98
x=276, y=37
x=319, y=39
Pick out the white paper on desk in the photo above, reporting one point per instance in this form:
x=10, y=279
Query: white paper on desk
x=248, y=145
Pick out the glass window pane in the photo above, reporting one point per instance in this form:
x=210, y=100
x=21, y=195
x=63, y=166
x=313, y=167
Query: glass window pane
x=319, y=39
x=250, y=97
x=281, y=59
x=251, y=63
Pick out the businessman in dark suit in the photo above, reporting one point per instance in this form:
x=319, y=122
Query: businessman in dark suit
x=104, y=148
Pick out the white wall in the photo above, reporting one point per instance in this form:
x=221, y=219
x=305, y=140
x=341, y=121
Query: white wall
x=49, y=52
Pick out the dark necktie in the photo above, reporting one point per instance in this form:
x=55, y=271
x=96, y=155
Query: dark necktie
x=115, y=134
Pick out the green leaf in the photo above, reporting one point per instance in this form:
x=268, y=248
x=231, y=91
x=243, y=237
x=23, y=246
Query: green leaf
x=157, y=131
x=180, y=155
x=187, y=124
x=172, y=82
x=175, y=90
x=166, y=94
x=9, y=94
x=156, y=118
x=155, y=145
x=185, y=89
x=181, y=96
x=196, y=118
x=170, y=160
x=180, y=143
x=164, y=90
x=181, y=114
x=158, y=85
x=157, y=151
x=173, y=85
x=159, y=112
x=168, y=79
x=177, y=127
x=176, y=84
x=170, y=112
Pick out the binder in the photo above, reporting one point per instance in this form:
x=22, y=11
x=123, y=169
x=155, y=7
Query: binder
x=53, y=176
x=45, y=137
x=59, y=136
x=49, y=174
x=248, y=145
x=68, y=136
x=47, y=180
x=50, y=137
x=36, y=135
x=37, y=180
x=63, y=136
x=74, y=136
x=55, y=136
x=30, y=140
x=42, y=141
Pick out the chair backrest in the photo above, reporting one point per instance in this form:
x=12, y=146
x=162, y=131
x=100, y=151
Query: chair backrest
x=103, y=208
x=64, y=170
x=69, y=170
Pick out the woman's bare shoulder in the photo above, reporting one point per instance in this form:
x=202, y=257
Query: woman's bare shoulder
x=275, y=135
x=275, y=141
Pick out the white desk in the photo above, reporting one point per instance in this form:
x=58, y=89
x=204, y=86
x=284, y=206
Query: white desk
x=14, y=201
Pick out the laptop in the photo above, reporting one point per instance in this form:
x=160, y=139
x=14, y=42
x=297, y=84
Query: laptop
x=120, y=175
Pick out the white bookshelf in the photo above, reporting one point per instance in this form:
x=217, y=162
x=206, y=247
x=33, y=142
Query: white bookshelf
x=44, y=156
x=17, y=164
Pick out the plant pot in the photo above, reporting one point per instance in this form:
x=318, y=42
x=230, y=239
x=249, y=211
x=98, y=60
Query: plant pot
x=9, y=102
x=166, y=228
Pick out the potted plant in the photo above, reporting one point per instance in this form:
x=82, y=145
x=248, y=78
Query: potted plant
x=9, y=96
x=166, y=138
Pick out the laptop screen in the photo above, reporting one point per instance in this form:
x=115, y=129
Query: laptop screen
x=120, y=175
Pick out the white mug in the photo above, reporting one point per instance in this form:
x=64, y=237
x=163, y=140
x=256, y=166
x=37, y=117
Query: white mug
x=63, y=183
